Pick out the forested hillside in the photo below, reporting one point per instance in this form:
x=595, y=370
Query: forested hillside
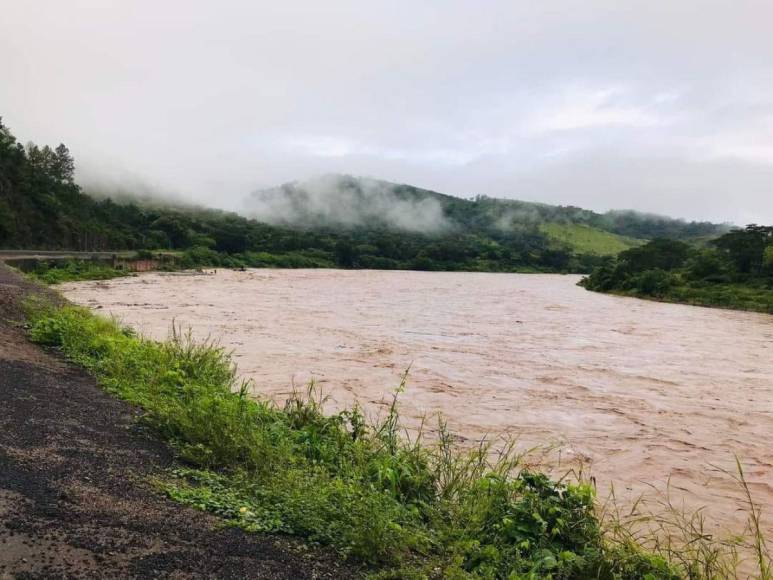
x=734, y=271
x=347, y=201
x=353, y=223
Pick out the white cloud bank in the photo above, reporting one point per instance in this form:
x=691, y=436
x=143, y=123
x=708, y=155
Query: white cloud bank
x=660, y=106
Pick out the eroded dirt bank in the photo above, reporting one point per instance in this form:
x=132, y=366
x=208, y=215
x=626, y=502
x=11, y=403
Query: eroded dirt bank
x=75, y=501
x=643, y=391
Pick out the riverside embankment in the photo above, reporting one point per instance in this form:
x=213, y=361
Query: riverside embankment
x=76, y=498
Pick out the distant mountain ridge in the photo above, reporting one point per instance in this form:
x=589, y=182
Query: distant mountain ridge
x=345, y=201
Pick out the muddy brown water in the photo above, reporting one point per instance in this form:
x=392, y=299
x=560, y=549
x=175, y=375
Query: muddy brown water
x=643, y=392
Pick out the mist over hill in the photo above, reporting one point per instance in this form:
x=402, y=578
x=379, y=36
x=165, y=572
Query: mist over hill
x=342, y=200
x=355, y=202
x=332, y=221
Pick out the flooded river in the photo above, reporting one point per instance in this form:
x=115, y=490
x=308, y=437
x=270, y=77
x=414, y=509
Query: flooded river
x=641, y=391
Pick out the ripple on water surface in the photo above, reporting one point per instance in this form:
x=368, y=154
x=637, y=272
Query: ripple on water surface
x=644, y=390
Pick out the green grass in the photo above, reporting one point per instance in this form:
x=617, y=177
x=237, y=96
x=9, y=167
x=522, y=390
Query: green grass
x=82, y=270
x=729, y=296
x=402, y=507
x=589, y=240
x=757, y=298
x=73, y=271
x=752, y=295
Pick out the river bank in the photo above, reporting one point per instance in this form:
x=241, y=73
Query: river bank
x=76, y=498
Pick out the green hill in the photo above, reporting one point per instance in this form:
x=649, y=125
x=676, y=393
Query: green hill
x=585, y=239
x=354, y=202
x=335, y=220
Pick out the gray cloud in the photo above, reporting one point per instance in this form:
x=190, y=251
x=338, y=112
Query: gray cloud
x=660, y=106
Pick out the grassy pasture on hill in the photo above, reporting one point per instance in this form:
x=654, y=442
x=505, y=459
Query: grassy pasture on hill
x=585, y=239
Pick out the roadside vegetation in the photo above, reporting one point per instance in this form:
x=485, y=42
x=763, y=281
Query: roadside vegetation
x=733, y=271
x=401, y=506
x=74, y=271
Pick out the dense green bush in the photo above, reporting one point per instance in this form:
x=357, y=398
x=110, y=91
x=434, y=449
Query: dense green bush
x=654, y=282
x=74, y=270
x=735, y=273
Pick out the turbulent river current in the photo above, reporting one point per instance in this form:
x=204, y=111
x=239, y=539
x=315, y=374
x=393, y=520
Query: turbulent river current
x=641, y=393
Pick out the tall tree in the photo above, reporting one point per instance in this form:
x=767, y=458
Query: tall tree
x=63, y=164
x=746, y=247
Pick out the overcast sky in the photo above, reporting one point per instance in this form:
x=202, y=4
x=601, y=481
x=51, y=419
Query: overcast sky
x=659, y=105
